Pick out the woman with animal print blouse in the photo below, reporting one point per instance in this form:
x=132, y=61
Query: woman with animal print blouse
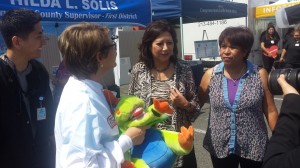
x=159, y=74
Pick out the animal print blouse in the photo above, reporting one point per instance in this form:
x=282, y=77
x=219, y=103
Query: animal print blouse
x=143, y=85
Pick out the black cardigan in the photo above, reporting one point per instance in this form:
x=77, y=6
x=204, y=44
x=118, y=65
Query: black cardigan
x=20, y=147
x=283, y=150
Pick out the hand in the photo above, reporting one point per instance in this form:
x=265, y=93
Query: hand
x=178, y=99
x=137, y=134
x=269, y=54
x=281, y=59
x=286, y=87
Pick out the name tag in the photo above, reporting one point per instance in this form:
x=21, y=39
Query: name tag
x=297, y=44
x=41, y=113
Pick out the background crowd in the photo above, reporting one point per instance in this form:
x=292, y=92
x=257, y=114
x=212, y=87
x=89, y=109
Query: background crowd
x=288, y=55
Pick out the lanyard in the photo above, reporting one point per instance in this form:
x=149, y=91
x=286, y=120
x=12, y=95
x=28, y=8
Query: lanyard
x=13, y=66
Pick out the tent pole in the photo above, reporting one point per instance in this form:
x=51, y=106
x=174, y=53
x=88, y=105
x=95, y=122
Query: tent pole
x=117, y=68
x=182, y=41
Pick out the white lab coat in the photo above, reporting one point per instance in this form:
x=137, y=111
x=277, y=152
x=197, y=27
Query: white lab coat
x=85, y=131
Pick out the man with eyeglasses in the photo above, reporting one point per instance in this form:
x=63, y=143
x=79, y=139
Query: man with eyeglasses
x=26, y=103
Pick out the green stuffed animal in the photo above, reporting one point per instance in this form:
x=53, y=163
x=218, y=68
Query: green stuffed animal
x=160, y=148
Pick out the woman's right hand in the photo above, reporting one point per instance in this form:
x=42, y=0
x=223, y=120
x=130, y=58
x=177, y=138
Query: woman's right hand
x=286, y=87
x=270, y=55
x=281, y=59
x=137, y=134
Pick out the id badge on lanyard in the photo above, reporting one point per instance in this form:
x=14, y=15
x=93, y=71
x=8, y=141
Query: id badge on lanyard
x=41, y=111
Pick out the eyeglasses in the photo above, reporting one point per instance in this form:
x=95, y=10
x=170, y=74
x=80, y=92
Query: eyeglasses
x=113, y=37
x=114, y=44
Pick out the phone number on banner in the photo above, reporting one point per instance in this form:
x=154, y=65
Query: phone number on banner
x=212, y=23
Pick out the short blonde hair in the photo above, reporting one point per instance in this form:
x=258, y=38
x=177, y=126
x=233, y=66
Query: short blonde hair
x=79, y=45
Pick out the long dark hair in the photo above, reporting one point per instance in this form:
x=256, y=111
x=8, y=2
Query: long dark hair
x=153, y=30
x=271, y=36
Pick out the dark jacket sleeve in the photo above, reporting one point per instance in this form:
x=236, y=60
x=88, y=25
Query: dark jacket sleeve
x=190, y=93
x=283, y=150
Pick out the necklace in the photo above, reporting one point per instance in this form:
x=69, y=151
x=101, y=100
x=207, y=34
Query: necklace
x=238, y=77
x=163, y=69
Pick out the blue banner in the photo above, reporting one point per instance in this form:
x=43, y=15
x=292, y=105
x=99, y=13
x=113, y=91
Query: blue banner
x=166, y=9
x=120, y=12
x=209, y=10
x=2, y=46
x=197, y=10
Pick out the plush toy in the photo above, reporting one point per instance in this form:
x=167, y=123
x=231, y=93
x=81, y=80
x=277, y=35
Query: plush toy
x=160, y=147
